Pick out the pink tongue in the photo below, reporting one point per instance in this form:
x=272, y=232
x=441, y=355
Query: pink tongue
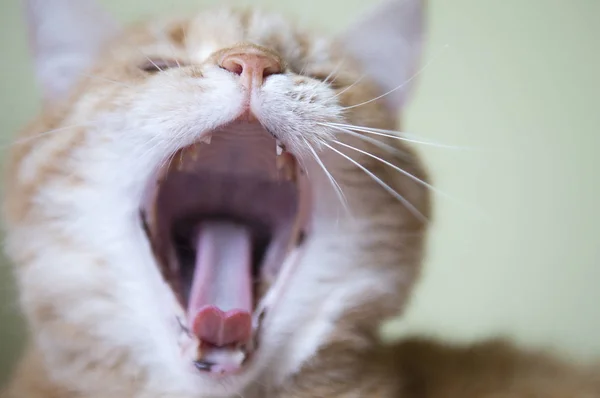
x=220, y=303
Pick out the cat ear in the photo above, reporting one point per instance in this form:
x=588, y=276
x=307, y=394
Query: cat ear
x=387, y=42
x=65, y=37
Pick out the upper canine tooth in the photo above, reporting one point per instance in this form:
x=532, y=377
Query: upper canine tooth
x=207, y=139
x=194, y=153
x=279, y=148
x=286, y=167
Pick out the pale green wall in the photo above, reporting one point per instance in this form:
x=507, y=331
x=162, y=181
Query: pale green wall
x=520, y=79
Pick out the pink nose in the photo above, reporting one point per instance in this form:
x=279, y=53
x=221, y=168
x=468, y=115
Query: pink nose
x=251, y=64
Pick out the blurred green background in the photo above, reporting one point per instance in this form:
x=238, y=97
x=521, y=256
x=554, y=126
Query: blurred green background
x=515, y=251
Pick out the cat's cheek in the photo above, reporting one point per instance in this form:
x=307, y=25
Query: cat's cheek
x=188, y=346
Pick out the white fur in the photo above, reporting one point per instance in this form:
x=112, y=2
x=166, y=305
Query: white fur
x=120, y=153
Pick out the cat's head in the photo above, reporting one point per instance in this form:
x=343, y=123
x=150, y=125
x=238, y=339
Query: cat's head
x=219, y=152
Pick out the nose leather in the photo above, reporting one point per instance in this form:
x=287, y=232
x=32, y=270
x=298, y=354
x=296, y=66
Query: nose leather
x=252, y=64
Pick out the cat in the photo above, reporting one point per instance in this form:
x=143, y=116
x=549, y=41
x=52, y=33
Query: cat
x=218, y=205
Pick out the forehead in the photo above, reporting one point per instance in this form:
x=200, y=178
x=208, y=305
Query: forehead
x=198, y=36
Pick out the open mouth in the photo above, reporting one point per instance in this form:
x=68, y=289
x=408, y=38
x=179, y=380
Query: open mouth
x=222, y=216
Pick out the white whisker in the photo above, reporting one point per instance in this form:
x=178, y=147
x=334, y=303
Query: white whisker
x=186, y=44
x=385, y=131
x=168, y=161
x=303, y=67
x=391, y=134
x=153, y=63
x=146, y=56
x=175, y=57
x=334, y=183
x=333, y=72
x=389, y=148
x=143, y=54
x=420, y=71
x=45, y=133
x=106, y=80
x=385, y=186
x=382, y=145
x=346, y=89
x=154, y=143
x=399, y=169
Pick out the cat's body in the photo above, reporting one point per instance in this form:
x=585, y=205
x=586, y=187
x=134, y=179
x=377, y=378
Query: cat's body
x=413, y=368
x=421, y=368
x=143, y=125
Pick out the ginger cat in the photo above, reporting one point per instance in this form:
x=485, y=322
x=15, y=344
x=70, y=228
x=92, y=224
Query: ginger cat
x=218, y=206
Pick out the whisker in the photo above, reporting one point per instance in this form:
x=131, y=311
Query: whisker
x=333, y=72
x=171, y=160
x=392, y=134
x=466, y=206
x=187, y=44
x=304, y=67
x=168, y=161
x=145, y=56
x=154, y=144
x=385, y=186
x=334, y=183
x=162, y=58
x=174, y=53
x=382, y=145
x=152, y=62
x=106, y=80
x=419, y=72
x=399, y=169
x=385, y=131
x=139, y=50
x=43, y=134
x=164, y=37
x=346, y=89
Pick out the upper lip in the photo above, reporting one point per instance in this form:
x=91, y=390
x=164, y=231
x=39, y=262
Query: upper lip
x=247, y=115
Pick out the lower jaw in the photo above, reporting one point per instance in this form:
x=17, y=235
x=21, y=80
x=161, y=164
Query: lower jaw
x=232, y=360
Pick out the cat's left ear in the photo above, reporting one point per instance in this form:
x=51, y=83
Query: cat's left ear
x=65, y=37
x=388, y=42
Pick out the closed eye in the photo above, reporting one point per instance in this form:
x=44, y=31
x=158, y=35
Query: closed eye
x=159, y=65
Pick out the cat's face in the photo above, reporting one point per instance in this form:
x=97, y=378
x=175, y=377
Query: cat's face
x=206, y=161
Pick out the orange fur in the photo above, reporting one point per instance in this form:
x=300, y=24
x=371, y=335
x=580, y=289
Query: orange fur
x=73, y=353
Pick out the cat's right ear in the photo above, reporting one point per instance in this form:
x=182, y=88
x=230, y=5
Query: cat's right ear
x=387, y=41
x=65, y=37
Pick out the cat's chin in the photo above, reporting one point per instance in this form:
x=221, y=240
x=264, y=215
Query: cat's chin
x=223, y=216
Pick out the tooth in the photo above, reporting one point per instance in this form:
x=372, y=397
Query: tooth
x=194, y=154
x=279, y=148
x=286, y=165
x=207, y=139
